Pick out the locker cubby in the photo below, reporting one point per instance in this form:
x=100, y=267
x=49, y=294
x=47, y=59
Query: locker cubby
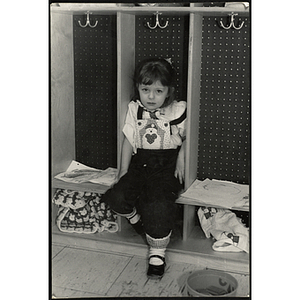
x=224, y=119
x=95, y=80
x=91, y=86
x=170, y=42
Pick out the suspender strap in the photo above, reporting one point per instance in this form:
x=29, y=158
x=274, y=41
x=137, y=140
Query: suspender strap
x=179, y=120
x=140, y=113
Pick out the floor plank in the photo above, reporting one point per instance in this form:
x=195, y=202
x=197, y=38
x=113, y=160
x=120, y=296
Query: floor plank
x=60, y=292
x=56, y=249
x=86, y=271
x=243, y=289
x=133, y=281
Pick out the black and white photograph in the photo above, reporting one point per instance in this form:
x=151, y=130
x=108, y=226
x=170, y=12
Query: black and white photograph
x=150, y=149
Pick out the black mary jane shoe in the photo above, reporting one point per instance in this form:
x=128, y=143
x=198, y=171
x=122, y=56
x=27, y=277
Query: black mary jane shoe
x=156, y=272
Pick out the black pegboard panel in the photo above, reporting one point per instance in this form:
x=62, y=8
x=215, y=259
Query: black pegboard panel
x=224, y=138
x=95, y=91
x=170, y=42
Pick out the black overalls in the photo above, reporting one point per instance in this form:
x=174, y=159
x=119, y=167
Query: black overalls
x=149, y=186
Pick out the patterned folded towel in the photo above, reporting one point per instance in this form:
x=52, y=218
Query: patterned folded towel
x=83, y=212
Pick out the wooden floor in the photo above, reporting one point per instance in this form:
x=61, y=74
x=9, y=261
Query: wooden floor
x=78, y=272
x=114, y=265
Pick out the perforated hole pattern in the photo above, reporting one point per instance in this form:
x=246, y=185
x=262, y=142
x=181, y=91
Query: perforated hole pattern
x=95, y=91
x=171, y=42
x=224, y=138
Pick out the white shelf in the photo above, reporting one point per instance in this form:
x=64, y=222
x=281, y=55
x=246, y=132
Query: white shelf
x=194, y=202
x=79, y=8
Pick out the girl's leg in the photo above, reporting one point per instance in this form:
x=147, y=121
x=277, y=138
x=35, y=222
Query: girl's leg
x=135, y=220
x=122, y=198
x=158, y=207
x=159, y=212
x=157, y=249
x=158, y=223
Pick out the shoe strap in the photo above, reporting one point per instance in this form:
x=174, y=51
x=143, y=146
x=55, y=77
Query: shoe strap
x=157, y=256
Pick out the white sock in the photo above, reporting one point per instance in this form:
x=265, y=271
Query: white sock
x=155, y=260
x=134, y=219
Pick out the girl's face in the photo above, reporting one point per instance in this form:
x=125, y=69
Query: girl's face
x=153, y=96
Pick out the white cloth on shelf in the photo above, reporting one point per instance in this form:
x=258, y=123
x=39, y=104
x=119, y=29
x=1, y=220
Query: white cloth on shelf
x=79, y=173
x=221, y=193
x=230, y=233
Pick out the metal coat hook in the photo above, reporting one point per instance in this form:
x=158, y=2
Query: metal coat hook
x=157, y=22
x=88, y=23
x=232, y=23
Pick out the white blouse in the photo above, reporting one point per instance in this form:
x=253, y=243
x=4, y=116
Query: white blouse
x=149, y=133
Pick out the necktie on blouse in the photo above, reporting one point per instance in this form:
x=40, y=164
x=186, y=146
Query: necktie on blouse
x=142, y=109
x=152, y=114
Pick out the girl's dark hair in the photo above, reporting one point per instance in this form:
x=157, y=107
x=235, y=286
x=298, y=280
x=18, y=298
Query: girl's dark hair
x=151, y=70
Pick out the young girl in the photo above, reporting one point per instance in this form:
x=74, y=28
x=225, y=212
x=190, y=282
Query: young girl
x=152, y=159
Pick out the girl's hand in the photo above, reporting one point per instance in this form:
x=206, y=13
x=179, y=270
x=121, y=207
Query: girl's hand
x=125, y=159
x=179, y=171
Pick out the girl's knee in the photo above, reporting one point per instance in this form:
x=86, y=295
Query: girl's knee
x=118, y=200
x=114, y=199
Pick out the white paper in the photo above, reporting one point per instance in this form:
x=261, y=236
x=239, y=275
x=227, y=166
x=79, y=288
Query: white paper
x=217, y=192
x=244, y=5
x=79, y=173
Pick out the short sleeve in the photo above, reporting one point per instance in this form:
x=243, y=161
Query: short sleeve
x=179, y=109
x=129, y=127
